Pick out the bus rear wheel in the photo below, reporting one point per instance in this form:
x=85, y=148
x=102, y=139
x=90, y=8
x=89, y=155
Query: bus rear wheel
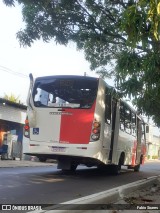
x=42, y=159
x=116, y=169
x=73, y=167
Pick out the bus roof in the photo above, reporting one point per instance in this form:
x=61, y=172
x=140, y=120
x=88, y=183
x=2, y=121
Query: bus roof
x=66, y=76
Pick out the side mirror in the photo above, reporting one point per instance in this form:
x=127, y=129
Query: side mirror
x=30, y=89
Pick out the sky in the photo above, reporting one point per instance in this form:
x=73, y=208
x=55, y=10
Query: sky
x=41, y=59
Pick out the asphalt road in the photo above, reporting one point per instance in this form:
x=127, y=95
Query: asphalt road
x=47, y=185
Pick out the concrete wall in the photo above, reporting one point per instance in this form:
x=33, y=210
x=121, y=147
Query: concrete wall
x=10, y=113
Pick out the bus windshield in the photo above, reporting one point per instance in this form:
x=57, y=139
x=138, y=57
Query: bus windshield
x=53, y=92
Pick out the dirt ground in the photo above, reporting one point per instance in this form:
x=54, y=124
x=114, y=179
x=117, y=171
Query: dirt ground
x=145, y=200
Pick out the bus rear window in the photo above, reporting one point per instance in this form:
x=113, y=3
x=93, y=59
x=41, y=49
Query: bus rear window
x=70, y=93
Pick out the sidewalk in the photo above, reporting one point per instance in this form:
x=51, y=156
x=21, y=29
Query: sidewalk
x=22, y=163
x=146, y=199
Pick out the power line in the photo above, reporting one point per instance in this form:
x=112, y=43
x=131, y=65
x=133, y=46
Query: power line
x=5, y=69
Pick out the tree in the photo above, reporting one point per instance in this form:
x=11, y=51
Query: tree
x=12, y=98
x=123, y=33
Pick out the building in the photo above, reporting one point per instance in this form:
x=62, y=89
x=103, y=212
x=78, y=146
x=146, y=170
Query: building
x=153, y=144
x=12, y=118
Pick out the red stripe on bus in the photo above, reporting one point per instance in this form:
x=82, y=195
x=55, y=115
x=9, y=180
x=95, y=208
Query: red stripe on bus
x=143, y=150
x=76, y=125
x=134, y=153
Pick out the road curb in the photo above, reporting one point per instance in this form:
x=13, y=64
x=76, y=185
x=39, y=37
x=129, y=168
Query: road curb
x=128, y=188
x=105, y=197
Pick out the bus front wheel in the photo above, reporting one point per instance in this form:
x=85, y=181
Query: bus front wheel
x=137, y=168
x=116, y=169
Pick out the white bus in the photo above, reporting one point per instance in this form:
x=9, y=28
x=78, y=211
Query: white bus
x=79, y=120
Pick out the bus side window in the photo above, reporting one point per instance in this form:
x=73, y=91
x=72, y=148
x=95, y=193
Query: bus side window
x=127, y=120
x=122, y=116
x=133, y=124
x=143, y=131
x=108, y=109
x=147, y=129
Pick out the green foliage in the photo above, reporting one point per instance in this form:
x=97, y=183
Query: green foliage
x=154, y=157
x=154, y=17
x=12, y=98
x=123, y=33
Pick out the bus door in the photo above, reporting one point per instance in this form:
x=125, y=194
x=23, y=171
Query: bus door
x=108, y=124
x=110, y=117
x=139, y=140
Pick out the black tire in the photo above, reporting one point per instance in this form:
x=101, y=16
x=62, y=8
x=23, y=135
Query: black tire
x=102, y=167
x=42, y=159
x=116, y=169
x=137, y=168
x=73, y=167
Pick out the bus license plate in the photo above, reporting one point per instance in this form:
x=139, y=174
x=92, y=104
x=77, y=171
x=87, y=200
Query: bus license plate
x=58, y=149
